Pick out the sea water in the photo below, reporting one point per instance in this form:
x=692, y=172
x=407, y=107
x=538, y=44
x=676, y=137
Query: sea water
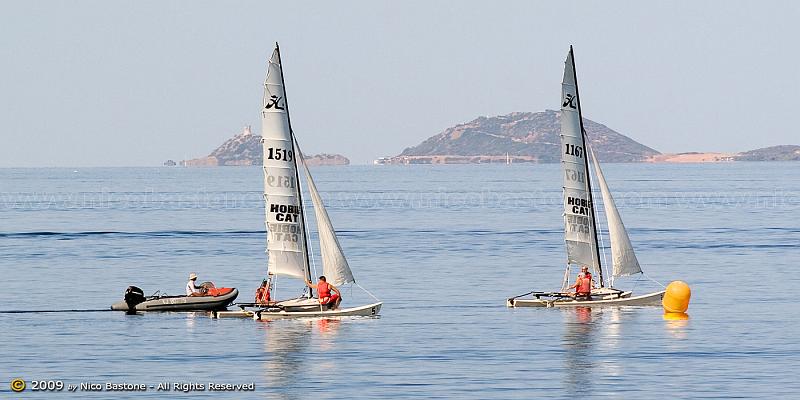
x=441, y=246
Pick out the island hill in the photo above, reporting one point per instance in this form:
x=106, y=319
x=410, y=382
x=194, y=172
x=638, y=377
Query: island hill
x=245, y=149
x=534, y=137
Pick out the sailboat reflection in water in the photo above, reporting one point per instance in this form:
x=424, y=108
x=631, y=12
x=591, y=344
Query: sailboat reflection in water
x=578, y=341
x=284, y=368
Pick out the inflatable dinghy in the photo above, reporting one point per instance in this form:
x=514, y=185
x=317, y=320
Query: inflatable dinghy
x=215, y=299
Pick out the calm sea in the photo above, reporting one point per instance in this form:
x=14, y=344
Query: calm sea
x=442, y=246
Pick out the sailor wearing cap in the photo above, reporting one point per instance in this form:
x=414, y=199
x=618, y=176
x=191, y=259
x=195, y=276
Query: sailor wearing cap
x=191, y=288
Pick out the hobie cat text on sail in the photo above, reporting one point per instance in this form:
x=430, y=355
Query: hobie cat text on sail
x=284, y=232
x=285, y=213
x=579, y=206
x=576, y=223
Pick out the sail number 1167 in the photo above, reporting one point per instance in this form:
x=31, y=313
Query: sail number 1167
x=573, y=150
x=279, y=154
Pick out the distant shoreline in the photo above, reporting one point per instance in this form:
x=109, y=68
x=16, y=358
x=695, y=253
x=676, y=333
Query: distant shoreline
x=669, y=158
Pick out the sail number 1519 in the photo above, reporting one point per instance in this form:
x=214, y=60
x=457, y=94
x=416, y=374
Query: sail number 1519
x=279, y=154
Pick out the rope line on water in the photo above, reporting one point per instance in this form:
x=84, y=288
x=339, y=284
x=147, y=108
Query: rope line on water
x=51, y=311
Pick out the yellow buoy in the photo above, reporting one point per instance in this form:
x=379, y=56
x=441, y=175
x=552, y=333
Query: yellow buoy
x=676, y=298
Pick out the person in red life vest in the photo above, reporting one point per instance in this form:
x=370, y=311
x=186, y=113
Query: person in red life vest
x=583, y=284
x=588, y=276
x=577, y=284
x=263, y=294
x=324, y=290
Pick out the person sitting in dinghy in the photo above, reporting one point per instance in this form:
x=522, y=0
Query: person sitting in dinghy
x=192, y=289
x=324, y=290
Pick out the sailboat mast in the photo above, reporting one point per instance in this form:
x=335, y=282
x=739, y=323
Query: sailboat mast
x=586, y=163
x=296, y=167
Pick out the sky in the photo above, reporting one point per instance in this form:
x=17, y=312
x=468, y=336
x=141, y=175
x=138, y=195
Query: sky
x=134, y=83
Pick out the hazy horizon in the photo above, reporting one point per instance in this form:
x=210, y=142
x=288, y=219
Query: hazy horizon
x=98, y=83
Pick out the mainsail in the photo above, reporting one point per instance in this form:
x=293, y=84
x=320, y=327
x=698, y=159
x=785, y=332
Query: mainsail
x=623, y=258
x=286, y=246
x=334, y=264
x=579, y=223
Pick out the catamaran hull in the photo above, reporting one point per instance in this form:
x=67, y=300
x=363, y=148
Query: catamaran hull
x=300, y=304
x=181, y=303
x=651, y=299
x=369, y=310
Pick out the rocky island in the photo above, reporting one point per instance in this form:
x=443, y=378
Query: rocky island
x=245, y=149
x=774, y=153
x=517, y=137
x=534, y=137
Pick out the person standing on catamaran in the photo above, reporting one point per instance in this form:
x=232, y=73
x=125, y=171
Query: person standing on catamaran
x=324, y=290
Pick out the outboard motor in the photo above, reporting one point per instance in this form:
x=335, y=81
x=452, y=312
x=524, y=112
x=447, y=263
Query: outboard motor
x=205, y=286
x=133, y=296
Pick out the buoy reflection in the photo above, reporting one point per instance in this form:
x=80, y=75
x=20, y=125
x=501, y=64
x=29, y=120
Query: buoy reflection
x=676, y=324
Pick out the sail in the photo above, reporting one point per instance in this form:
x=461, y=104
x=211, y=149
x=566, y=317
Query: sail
x=334, y=264
x=623, y=258
x=579, y=230
x=284, y=215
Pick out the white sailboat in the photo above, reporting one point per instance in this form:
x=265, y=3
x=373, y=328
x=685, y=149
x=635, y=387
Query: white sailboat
x=287, y=243
x=580, y=230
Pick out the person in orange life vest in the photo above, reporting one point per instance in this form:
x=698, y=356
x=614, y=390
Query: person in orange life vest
x=585, y=289
x=324, y=290
x=262, y=294
x=577, y=284
x=588, y=276
x=583, y=284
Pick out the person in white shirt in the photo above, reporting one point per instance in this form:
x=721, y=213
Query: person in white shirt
x=191, y=288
